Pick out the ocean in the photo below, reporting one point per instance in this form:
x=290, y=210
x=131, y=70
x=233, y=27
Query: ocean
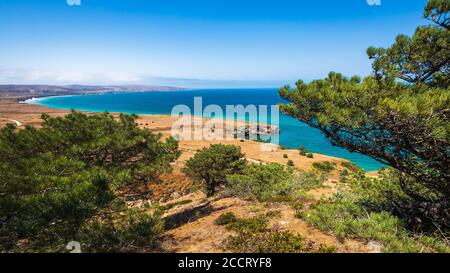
x=293, y=132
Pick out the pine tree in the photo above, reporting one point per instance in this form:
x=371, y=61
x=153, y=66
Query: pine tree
x=399, y=115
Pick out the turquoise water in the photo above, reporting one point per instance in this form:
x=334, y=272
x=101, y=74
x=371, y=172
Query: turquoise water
x=293, y=132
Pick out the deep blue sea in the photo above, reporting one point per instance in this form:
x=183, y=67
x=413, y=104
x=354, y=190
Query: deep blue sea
x=293, y=132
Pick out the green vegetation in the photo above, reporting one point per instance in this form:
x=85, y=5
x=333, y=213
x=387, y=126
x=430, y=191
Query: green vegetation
x=351, y=166
x=271, y=183
x=282, y=147
x=273, y=242
x=365, y=212
x=306, y=181
x=398, y=115
x=261, y=182
x=325, y=166
x=285, y=156
x=225, y=219
x=211, y=166
x=302, y=151
x=122, y=232
x=344, y=173
x=248, y=226
x=310, y=155
x=290, y=163
x=63, y=181
x=254, y=236
x=174, y=204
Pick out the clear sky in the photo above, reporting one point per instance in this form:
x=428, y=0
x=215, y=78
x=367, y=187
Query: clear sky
x=195, y=43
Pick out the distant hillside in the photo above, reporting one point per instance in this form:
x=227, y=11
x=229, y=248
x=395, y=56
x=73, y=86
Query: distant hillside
x=55, y=90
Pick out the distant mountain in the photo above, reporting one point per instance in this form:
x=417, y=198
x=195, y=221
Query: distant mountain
x=56, y=90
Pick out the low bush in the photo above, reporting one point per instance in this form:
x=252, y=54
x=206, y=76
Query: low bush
x=310, y=155
x=225, y=219
x=272, y=183
x=306, y=181
x=255, y=237
x=285, y=156
x=132, y=228
x=344, y=172
x=351, y=215
x=250, y=225
x=325, y=166
x=273, y=242
x=350, y=166
x=261, y=182
x=302, y=151
x=290, y=163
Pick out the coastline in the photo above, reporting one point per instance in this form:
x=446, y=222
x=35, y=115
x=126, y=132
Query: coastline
x=29, y=114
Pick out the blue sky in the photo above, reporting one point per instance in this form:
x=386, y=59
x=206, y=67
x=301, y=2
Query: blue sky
x=195, y=43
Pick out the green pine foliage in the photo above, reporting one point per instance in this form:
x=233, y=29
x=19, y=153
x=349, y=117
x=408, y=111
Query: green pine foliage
x=210, y=166
x=399, y=115
x=57, y=179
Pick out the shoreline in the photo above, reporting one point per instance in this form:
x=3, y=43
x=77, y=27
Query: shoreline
x=30, y=113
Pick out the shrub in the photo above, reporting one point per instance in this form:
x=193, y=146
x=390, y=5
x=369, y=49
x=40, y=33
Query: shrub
x=345, y=217
x=350, y=166
x=272, y=183
x=344, y=172
x=268, y=242
x=290, y=163
x=261, y=182
x=310, y=155
x=132, y=228
x=282, y=147
x=302, y=151
x=225, y=219
x=255, y=237
x=285, y=156
x=306, y=181
x=325, y=166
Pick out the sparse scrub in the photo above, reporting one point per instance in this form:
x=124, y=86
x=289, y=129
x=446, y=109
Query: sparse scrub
x=174, y=204
x=132, y=228
x=272, y=183
x=326, y=166
x=255, y=237
x=274, y=242
x=350, y=166
x=261, y=182
x=302, y=151
x=306, y=181
x=365, y=213
x=250, y=225
x=344, y=172
x=225, y=219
